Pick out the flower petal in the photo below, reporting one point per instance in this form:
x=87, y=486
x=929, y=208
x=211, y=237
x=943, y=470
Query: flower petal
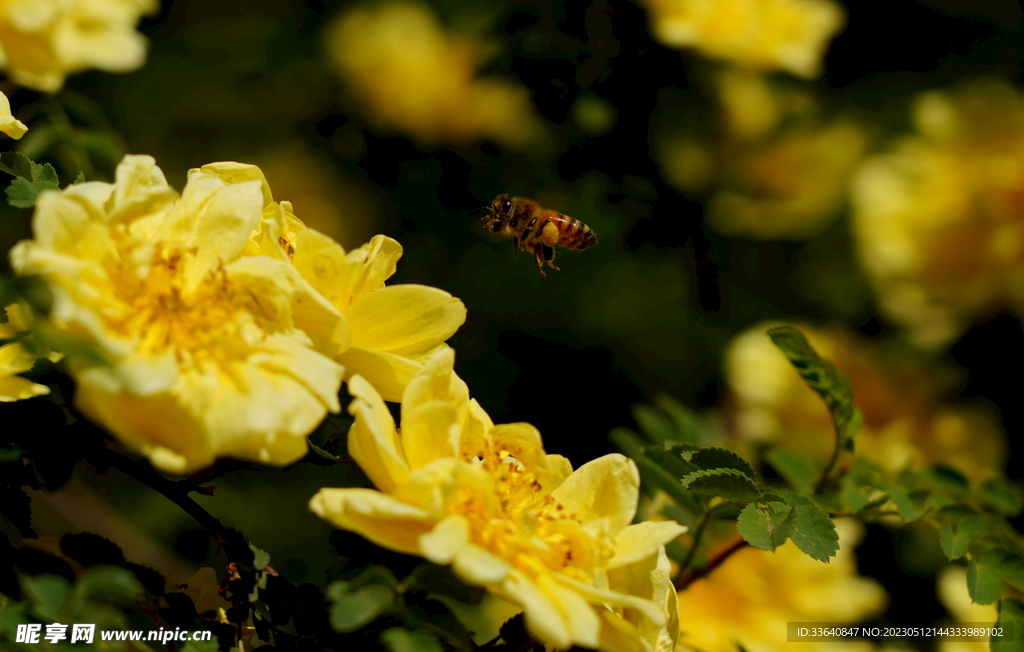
x=474, y=565
x=543, y=620
x=385, y=521
x=433, y=408
x=388, y=373
x=404, y=319
x=606, y=488
x=642, y=540
x=446, y=539
x=372, y=440
x=8, y=123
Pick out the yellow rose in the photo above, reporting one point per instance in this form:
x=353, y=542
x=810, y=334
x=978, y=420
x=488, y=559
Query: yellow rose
x=904, y=421
x=749, y=599
x=487, y=500
x=786, y=35
x=14, y=359
x=209, y=352
x=42, y=41
x=938, y=218
x=389, y=329
x=410, y=76
x=8, y=123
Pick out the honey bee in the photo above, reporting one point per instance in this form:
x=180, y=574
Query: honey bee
x=536, y=229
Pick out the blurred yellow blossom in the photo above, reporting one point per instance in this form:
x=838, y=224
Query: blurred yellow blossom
x=8, y=123
x=904, y=421
x=388, y=330
x=789, y=35
x=42, y=41
x=14, y=359
x=951, y=587
x=939, y=217
x=778, y=171
x=208, y=352
x=486, y=499
x=749, y=599
x=410, y=76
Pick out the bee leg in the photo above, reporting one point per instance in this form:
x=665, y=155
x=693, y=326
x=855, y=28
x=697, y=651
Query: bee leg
x=538, y=257
x=549, y=256
x=515, y=247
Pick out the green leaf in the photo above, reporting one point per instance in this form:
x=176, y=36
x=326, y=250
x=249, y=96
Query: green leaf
x=108, y=583
x=30, y=179
x=686, y=421
x=360, y=607
x=946, y=539
x=1004, y=496
x=397, y=639
x=654, y=424
x=798, y=470
x=201, y=646
x=967, y=530
x=1011, y=618
x=670, y=460
x=812, y=530
x=726, y=483
x=260, y=558
x=47, y=593
x=984, y=583
x=721, y=458
x=79, y=178
x=765, y=526
x=911, y=505
x=822, y=377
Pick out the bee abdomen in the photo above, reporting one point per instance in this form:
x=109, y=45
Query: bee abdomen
x=578, y=236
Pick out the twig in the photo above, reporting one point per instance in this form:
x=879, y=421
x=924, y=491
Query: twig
x=712, y=564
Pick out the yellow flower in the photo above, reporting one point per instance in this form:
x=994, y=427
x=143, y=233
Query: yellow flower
x=42, y=41
x=14, y=359
x=951, y=587
x=8, y=123
x=410, y=76
x=486, y=499
x=388, y=330
x=904, y=421
x=938, y=219
x=749, y=599
x=781, y=171
x=209, y=352
x=786, y=35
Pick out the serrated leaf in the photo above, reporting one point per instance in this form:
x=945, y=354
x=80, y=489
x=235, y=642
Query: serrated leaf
x=911, y=505
x=765, y=526
x=798, y=470
x=729, y=484
x=79, y=178
x=30, y=179
x=984, y=583
x=360, y=607
x=813, y=531
x=398, y=639
x=721, y=458
x=821, y=376
x=670, y=460
x=1009, y=566
x=1011, y=619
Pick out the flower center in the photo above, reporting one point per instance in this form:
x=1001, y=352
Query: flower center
x=208, y=322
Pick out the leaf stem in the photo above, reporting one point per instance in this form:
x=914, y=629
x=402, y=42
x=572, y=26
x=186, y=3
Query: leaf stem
x=823, y=480
x=711, y=565
x=698, y=533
